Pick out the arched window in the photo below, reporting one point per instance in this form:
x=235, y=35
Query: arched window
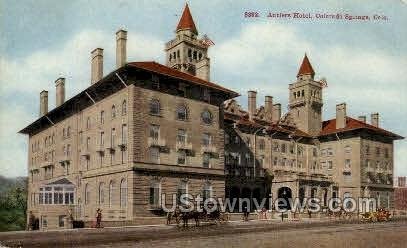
x=182, y=113
x=206, y=191
x=111, y=188
x=123, y=193
x=124, y=107
x=101, y=193
x=68, y=132
x=155, y=194
x=113, y=111
x=182, y=190
x=63, y=133
x=87, y=193
x=206, y=117
x=262, y=144
x=155, y=107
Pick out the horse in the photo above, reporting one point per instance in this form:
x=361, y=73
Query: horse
x=193, y=214
x=174, y=215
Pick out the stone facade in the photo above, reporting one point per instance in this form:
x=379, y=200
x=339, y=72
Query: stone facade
x=147, y=129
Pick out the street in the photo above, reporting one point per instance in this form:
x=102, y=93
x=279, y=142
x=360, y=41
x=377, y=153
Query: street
x=351, y=235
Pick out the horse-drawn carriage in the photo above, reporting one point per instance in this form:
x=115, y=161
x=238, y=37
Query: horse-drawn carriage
x=380, y=215
x=214, y=216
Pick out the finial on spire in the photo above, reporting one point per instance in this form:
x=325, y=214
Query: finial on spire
x=187, y=22
x=306, y=67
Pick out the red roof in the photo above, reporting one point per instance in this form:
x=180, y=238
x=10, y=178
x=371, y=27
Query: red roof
x=306, y=67
x=165, y=70
x=329, y=127
x=186, y=22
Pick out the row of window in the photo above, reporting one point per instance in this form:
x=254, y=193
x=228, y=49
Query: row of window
x=108, y=195
x=57, y=195
x=192, y=54
x=181, y=112
x=113, y=114
x=237, y=140
x=378, y=151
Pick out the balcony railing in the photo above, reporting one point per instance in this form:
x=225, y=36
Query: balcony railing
x=85, y=151
x=316, y=171
x=183, y=145
x=209, y=149
x=46, y=163
x=64, y=158
x=122, y=145
x=152, y=142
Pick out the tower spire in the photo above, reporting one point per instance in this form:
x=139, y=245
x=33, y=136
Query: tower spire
x=306, y=68
x=187, y=22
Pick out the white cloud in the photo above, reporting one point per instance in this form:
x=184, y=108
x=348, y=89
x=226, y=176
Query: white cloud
x=39, y=70
x=265, y=57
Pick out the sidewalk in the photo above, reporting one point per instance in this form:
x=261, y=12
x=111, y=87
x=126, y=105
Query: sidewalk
x=77, y=237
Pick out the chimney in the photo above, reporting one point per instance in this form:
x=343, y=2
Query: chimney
x=341, y=115
x=276, y=112
x=43, y=103
x=202, y=70
x=121, y=49
x=96, y=65
x=60, y=91
x=251, y=103
x=362, y=118
x=268, y=108
x=374, y=119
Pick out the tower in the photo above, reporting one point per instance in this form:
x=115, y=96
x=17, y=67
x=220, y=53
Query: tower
x=305, y=100
x=186, y=52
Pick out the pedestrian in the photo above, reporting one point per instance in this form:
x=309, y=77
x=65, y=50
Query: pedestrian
x=98, y=218
x=245, y=213
x=31, y=221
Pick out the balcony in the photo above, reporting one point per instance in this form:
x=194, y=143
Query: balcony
x=370, y=169
x=122, y=145
x=346, y=170
x=187, y=146
x=47, y=163
x=64, y=158
x=152, y=142
x=209, y=149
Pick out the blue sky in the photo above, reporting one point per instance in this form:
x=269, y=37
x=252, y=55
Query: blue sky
x=362, y=61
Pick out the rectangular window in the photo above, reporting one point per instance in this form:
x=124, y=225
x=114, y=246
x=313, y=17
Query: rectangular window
x=347, y=163
x=206, y=139
x=275, y=147
x=154, y=196
x=154, y=131
x=330, y=152
x=292, y=149
x=102, y=138
x=206, y=160
x=283, y=148
x=154, y=154
x=124, y=134
x=314, y=152
x=181, y=157
x=330, y=166
x=378, y=151
x=113, y=137
x=181, y=136
x=61, y=220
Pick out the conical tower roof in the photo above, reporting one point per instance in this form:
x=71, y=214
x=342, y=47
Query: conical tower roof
x=187, y=22
x=306, y=68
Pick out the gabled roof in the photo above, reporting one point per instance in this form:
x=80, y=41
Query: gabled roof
x=165, y=70
x=186, y=22
x=306, y=67
x=329, y=127
x=61, y=181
